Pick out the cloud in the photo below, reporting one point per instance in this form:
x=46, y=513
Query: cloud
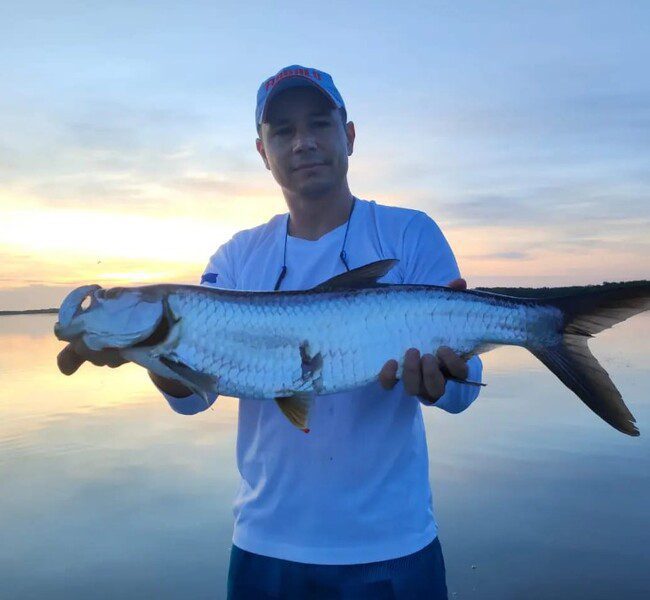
x=91, y=190
x=32, y=296
x=599, y=116
x=556, y=205
x=214, y=184
x=131, y=160
x=513, y=255
x=115, y=125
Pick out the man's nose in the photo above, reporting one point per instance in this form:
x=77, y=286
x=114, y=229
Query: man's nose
x=304, y=141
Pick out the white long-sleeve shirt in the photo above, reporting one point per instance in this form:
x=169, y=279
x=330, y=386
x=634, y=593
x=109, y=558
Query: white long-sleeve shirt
x=356, y=488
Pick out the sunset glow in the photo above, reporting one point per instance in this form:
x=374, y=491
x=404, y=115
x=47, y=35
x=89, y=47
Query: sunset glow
x=131, y=159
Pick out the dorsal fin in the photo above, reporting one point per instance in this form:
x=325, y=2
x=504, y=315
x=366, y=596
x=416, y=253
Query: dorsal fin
x=360, y=277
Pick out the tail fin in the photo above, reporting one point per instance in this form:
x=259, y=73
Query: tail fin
x=571, y=360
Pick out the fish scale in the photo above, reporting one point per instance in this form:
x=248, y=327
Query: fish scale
x=354, y=333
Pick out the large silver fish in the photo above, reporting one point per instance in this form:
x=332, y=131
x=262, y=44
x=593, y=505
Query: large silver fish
x=290, y=346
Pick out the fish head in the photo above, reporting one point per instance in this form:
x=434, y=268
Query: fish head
x=113, y=318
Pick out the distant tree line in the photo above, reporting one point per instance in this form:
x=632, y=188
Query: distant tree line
x=545, y=292
x=33, y=311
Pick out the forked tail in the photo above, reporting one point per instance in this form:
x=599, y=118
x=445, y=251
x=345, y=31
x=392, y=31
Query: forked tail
x=585, y=315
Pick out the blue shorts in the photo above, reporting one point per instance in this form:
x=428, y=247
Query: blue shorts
x=419, y=575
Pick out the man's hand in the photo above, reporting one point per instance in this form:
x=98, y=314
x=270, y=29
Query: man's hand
x=77, y=353
x=423, y=375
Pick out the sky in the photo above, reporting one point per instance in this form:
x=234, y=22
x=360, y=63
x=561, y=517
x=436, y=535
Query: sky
x=127, y=137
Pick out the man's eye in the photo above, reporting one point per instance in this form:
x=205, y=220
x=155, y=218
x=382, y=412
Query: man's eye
x=282, y=131
x=322, y=123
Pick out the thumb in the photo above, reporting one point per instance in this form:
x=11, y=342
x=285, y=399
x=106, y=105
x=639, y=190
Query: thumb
x=458, y=284
x=68, y=360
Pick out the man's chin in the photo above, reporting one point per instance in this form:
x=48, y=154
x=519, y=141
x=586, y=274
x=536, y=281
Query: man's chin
x=315, y=189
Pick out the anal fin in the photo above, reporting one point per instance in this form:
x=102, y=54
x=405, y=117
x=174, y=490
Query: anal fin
x=296, y=409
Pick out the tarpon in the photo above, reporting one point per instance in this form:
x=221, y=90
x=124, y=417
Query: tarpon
x=292, y=346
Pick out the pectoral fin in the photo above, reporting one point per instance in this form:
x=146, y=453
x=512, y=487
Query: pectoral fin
x=199, y=383
x=296, y=409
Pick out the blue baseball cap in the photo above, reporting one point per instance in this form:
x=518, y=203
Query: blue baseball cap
x=295, y=76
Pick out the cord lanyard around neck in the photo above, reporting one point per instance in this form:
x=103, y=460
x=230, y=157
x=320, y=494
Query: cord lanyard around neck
x=342, y=255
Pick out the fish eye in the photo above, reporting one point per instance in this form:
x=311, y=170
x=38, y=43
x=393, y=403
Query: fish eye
x=88, y=302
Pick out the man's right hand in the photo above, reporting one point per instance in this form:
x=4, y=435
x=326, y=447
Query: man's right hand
x=77, y=353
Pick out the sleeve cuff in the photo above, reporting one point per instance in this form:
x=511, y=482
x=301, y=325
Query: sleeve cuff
x=458, y=396
x=190, y=405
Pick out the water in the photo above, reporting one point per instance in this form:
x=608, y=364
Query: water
x=106, y=493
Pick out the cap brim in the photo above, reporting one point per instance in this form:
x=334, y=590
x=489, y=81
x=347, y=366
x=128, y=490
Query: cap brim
x=292, y=82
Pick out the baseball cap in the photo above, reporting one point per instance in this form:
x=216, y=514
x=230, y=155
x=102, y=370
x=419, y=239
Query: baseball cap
x=295, y=76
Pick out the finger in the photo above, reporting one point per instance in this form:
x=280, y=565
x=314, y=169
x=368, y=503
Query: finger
x=81, y=349
x=388, y=375
x=110, y=358
x=100, y=358
x=452, y=363
x=458, y=284
x=412, y=375
x=432, y=378
x=68, y=360
x=114, y=360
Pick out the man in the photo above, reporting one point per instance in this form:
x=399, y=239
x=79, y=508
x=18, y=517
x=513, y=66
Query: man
x=345, y=511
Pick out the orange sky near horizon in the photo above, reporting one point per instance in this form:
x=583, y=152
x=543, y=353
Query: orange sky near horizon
x=67, y=247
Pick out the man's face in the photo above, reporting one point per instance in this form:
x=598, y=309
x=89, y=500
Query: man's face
x=304, y=142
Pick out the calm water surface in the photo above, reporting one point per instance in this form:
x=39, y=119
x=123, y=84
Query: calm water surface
x=106, y=493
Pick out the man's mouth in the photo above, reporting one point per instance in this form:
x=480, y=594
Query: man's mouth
x=309, y=166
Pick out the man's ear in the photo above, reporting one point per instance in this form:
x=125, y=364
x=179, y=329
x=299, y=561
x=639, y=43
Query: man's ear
x=350, y=134
x=260, y=148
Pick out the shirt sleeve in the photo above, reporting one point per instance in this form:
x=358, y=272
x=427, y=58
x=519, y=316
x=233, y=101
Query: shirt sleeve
x=220, y=269
x=428, y=259
x=218, y=273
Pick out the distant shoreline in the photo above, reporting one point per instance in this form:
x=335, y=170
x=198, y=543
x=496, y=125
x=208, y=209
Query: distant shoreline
x=33, y=311
x=522, y=292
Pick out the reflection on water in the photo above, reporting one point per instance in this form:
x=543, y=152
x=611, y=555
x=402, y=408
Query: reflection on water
x=107, y=493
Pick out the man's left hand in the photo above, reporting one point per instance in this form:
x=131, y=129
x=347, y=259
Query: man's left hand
x=423, y=375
